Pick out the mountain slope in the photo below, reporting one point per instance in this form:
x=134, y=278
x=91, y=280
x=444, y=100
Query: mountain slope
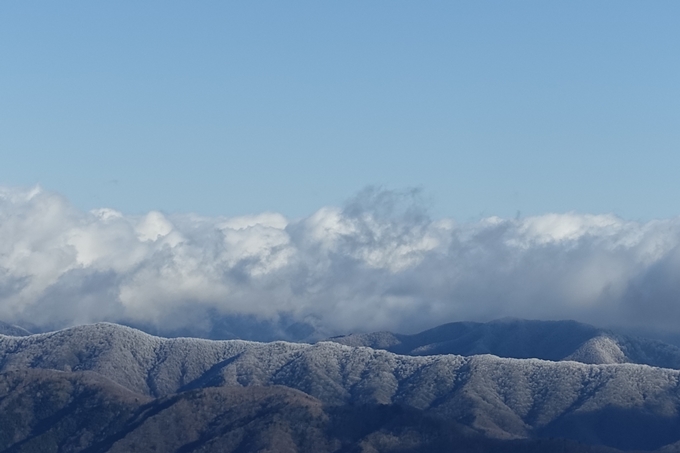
x=501, y=398
x=516, y=338
x=45, y=410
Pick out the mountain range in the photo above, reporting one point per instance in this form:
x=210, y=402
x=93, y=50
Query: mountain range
x=105, y=387
x=523, y=339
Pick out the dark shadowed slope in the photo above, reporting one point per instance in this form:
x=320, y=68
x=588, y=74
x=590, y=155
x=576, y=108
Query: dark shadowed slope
x=45, y=410
x=515, y=338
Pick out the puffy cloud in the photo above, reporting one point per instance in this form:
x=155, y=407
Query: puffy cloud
x=379, y=262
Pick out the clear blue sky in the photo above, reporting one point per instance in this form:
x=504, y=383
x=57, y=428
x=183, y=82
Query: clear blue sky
x=228, y=108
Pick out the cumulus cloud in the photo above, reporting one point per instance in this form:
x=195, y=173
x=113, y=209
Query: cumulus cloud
x=379, y=262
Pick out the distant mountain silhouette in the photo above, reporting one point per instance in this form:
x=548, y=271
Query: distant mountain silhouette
x=10, y=329
x=518, y=338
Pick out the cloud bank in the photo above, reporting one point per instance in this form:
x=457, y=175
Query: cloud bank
x=379, y=262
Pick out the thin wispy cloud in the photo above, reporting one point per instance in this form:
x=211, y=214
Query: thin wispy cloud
x=378, y=262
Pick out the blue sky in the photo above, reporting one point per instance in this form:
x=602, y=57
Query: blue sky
x=231, y=108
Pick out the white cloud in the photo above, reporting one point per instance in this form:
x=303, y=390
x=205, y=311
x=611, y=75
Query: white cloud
x=377, y=263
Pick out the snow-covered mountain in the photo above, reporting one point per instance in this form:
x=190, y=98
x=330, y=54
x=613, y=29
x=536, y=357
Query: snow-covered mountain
x=620, y=405
x=518, y=338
